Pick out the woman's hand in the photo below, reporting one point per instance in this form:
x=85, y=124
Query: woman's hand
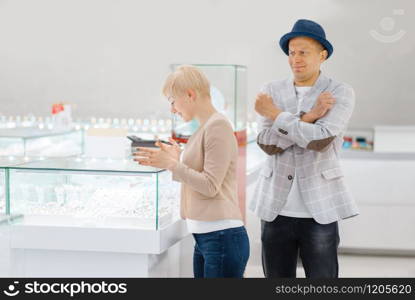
x=166, y=157
x=174, y=149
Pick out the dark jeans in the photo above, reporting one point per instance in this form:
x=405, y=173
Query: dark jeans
x=285, y=237
x=222, y=253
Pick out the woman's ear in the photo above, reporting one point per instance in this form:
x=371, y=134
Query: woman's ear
x=191, y=95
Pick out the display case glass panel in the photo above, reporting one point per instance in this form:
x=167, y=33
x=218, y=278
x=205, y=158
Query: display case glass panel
x=5, y=163
x=2, y=191
x=228, y=93
x=40, y=142
x=87, y=192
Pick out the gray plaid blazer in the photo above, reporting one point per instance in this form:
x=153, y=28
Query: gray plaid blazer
x=311, y=151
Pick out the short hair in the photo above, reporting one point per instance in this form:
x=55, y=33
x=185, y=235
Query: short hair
x=186, y=77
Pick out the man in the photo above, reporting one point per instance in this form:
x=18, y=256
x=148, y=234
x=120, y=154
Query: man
x=300, y=194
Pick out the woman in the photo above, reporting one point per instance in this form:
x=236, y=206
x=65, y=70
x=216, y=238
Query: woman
x=207, y=171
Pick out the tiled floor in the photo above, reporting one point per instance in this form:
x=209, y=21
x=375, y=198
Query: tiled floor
x=360, y=266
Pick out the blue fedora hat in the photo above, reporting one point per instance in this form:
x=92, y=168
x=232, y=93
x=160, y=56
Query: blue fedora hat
x=309, y=29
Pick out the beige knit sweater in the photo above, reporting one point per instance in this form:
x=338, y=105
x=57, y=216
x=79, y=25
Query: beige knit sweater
x=208, y=173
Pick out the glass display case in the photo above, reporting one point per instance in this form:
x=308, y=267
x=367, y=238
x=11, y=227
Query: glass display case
x=5, y=163
x=252, y=132
x=358, y=139
x=79, y=191
x=228, y=93
x=2, y=192
x=40, y=142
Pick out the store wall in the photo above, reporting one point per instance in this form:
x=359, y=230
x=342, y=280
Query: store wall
x=110, y=57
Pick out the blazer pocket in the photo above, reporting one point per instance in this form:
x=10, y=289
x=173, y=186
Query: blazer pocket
x=332, y=173
x=266, y=172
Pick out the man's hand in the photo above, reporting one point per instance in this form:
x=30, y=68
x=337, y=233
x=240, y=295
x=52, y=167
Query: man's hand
x=323, y=104
x=266, y=107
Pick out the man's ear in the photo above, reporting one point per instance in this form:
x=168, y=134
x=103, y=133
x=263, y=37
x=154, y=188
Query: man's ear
x=324, y=54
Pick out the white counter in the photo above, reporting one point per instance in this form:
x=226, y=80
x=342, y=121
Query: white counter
x=383, y=186
x=41, y=250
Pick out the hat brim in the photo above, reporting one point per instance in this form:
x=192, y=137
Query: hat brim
x=287, y=37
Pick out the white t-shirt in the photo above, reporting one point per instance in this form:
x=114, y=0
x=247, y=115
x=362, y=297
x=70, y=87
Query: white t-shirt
x=295, y=207
x=196, y=226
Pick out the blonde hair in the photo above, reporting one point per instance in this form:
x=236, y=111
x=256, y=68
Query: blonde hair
x=186, y=77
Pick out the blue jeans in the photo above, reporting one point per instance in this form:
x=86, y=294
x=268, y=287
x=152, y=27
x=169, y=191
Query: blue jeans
x=286, y=238
x=222, y=253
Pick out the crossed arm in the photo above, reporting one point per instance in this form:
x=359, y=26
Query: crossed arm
x=313, y=131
